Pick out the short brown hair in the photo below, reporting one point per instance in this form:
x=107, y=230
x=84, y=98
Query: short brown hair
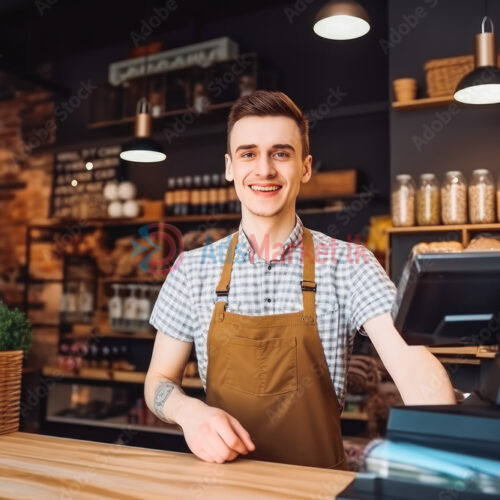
x=269, y=103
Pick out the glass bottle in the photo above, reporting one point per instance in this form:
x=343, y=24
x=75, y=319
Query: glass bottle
x=143, y=308
x=454, y=198
x=130, y=308
x=498, y=199
x=115, y=307
x=428, y=211
x=403, y=201
x=481, y=197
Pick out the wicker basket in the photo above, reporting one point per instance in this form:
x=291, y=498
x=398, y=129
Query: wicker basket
x=443, y=75
x=11, y=365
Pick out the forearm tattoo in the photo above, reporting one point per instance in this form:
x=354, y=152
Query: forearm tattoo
x=162, y=393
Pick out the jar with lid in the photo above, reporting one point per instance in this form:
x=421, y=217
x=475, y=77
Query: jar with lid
x=403, y=201
x=498, y=199
x=428, y=201
x=454, y=198
x=481, y=197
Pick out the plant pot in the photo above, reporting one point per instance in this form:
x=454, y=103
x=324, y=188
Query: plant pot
x=11, y=366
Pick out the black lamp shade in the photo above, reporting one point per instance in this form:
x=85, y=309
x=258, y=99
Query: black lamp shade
x=341, y=20
x=143, y=150
x=480, y=86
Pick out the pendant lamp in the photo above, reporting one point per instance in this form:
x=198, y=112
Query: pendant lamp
x=143, y=148
x=342, y=20
x=482, y=85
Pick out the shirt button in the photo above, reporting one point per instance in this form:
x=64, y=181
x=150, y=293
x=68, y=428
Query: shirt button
x=269, y=300
x=269, y=267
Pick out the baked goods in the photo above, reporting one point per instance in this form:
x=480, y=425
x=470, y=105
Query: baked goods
x=438, y=246
x=483, y=243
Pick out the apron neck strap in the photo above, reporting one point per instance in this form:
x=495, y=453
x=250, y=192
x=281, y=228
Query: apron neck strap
x=223, y=286
x=308, y=283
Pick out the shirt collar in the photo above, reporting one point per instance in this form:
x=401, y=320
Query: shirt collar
x=294, y=239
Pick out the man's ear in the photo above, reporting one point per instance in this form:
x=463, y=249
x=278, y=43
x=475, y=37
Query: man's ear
x=229, y=168
x=306, y=169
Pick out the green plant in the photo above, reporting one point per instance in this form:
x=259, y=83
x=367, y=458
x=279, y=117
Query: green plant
x=15, y=330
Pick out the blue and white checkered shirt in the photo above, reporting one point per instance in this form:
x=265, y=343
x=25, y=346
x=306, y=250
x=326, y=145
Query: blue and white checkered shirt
x=352, y=287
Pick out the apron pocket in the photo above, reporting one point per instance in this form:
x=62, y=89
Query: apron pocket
x=262, y=367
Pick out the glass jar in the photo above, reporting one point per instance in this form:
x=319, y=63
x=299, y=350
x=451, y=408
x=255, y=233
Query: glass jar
x=454, y=198
x=498, y=199
x=481, y=197
x=403, y=201
x=428, y=212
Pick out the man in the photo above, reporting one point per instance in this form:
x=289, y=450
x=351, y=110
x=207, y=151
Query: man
x=273, y=310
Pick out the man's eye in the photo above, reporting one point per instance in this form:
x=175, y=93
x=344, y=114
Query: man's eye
x=247, y=155
x=282, y=154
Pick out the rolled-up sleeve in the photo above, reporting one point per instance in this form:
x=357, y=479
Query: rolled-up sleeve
x=372, y=291
x=173, y=312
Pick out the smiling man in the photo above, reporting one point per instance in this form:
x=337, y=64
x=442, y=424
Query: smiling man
x=273, y=325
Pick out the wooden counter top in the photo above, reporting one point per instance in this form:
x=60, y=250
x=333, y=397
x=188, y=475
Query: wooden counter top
x=45, y=467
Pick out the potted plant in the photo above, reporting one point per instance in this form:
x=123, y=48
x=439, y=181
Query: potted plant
x=15, y=340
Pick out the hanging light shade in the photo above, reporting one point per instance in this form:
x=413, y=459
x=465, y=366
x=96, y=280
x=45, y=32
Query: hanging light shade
x=143, y=148
x=342, y=20
x=482, y=85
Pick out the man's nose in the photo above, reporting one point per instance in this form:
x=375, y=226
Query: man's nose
x=265, y=167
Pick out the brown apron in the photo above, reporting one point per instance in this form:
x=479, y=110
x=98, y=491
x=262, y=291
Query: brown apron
x=270, y=373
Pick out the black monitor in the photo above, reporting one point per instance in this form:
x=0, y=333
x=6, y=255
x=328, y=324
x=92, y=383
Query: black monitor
x=449, y=299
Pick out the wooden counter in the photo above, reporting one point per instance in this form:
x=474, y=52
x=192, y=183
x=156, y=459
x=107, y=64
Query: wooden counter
x=45, y=467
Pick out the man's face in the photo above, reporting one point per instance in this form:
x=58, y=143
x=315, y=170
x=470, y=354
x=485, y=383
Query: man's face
x=266, y=164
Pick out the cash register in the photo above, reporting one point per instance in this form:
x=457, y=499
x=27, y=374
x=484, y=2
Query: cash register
x=451, y=451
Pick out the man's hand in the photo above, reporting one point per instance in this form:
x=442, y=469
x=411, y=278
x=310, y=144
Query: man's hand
x=212, y=434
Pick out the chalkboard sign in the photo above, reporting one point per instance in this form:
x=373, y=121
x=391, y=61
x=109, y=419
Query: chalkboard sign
x=79, y=180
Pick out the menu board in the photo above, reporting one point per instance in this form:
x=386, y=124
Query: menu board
x=79, y=180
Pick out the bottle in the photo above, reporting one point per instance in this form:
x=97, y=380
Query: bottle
x=204, y=198
x=85, y=302
x=481, y=197
x=194, y=196
x=129, y=308
x=223, y=194
x=178, y=195
x=454, y=198
x=169, y=196
x=428, y=209
x=403, y=201
x=188, y=184
x=115, y=307
x=143, y=306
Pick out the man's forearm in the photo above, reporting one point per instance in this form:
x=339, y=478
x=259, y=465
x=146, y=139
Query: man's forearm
x=422, y=379
x=164, y=397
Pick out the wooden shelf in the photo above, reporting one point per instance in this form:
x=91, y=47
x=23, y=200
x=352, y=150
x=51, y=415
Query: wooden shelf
x=98, y=223
x=112, y=376
x=426, y=102
x=354, y=415
x=454, y=227
x=168, y=114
